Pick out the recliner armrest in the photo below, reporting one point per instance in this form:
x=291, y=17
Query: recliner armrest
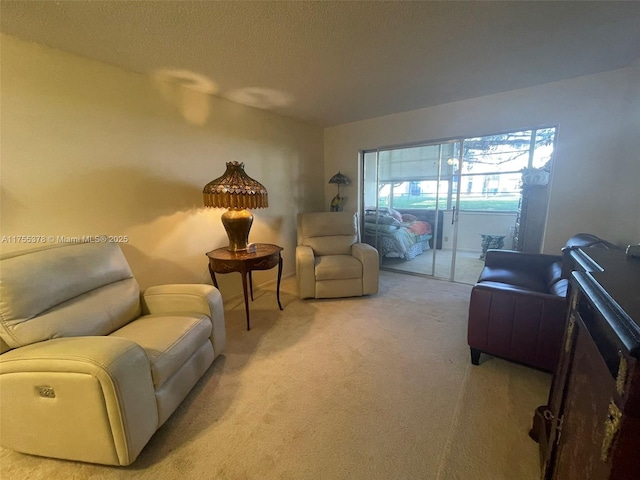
x=305, y=271
x=191, y=297
x=520, y=260
x=517, y=290
x=364, y=252
x=516, y=324
x=369, y=257
x=95, y=393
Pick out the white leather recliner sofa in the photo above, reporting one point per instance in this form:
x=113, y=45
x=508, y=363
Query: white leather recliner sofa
x=331, y=262
x=89, y=368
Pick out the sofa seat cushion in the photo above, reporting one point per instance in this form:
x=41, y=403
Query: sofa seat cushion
x=168, y=340
x=337, y=267
x=514, y=277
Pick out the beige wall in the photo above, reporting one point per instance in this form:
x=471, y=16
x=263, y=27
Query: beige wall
x=626, y=196
x=595, y=159
x=89, y=149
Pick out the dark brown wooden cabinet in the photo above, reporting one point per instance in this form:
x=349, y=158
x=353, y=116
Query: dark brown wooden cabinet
x=531, y=219
x=591, y=426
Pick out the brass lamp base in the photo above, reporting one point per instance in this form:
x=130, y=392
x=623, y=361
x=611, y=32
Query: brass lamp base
x=237, y=223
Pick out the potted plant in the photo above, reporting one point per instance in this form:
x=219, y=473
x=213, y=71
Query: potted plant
x=536, y=176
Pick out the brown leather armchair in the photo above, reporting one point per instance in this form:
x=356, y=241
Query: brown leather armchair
x=518, y=306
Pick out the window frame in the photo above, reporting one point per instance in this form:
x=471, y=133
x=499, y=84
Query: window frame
x=454, y=178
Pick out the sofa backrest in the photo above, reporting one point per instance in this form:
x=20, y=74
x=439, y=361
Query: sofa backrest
x=328, y=233
x=65, y=291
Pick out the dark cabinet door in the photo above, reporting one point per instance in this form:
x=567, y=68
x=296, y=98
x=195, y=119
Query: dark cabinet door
x=587, y=429
x=549, y=429
x=590, y=428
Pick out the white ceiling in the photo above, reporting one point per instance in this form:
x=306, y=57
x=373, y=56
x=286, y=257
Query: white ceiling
x=330, y=62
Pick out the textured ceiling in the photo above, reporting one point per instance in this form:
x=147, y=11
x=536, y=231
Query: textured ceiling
x=332, y=62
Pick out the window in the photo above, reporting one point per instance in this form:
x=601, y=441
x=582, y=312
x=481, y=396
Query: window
x=492, y=167
x=489, y=171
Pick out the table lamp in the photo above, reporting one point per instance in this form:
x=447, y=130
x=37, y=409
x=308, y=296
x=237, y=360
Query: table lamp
x=338, y=200
x=237, y=192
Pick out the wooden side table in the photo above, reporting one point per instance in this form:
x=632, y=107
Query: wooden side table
x=259, y=256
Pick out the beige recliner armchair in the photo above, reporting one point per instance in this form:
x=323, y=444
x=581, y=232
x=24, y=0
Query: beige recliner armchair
x=330, y=260
x=89, y=369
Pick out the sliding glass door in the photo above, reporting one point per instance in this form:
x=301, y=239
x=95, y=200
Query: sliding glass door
x=435, y=208
x=409, y=194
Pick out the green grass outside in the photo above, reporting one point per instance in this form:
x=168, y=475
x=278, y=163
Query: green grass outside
x=490, y=203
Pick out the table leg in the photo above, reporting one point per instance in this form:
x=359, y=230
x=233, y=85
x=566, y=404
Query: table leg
x=213, y=277
x=251, y=284
x=246, y=297
x=278, y=285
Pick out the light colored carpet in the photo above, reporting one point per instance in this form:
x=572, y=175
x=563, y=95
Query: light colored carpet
x=378, y=387
x=467, y=268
